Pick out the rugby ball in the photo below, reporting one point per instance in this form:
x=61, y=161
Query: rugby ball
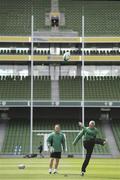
x=66, y=56
x=21, y=166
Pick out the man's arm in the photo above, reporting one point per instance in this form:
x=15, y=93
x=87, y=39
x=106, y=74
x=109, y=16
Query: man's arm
x=64, y=143
x=78, y=137
x=50, y=143
x=49, y=140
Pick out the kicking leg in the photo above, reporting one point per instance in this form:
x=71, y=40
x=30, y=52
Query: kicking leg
x=100, y=141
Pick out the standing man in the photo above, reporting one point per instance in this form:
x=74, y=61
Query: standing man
x=56, y=143
x=89, y=142
x=41, y=150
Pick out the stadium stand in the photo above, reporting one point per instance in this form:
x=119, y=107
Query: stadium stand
x=115, y=124
x=39, y=10
x=70, y=88
x=18, y=131
x=101, y=17
x=15, y=16
x=23, y=50
x=17, y=134
x=73, y=16
x=17, y=87
x=93, y=51
x=96, y=88
x=42, y=87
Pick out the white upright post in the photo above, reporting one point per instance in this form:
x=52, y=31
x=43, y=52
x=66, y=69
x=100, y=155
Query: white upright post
x=31, y=104
x=83, y=85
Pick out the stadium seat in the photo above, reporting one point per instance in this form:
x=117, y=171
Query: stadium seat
x=18, y=87
x=101, y=17
x=96, y=88
x=115, y=124
x=15, y=16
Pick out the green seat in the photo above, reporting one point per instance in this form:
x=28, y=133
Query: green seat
x=20, y=89
x=101, y=17
x=106, y=89
x=15, y=16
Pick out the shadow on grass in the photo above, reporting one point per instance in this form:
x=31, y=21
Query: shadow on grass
x=89, y=176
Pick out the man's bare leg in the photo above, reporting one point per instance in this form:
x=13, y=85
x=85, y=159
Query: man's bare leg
x=51, y=165
x=56, y=165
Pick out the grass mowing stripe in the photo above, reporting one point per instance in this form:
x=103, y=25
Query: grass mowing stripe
x=98, y=169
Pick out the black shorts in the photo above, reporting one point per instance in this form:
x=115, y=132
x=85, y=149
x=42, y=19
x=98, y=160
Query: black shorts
x=56, y=155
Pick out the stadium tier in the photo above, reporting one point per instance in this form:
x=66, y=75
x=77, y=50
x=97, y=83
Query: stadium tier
x=18, y=134
x=15, y=16
x=14, y=88
x=116, y=130
x=101, y=17
x=96, y=88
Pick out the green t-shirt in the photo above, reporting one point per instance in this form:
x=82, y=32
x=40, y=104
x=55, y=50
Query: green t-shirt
x=88, y=133
x=57, y=141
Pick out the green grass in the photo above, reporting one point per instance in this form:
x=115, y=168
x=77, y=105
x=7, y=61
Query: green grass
x=37, y=169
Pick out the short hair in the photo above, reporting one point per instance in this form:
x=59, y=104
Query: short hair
x=93, y=122
x=57, y=125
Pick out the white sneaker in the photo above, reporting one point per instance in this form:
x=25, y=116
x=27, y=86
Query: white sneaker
x=50, y=171
x=105, y=141
x=55, y=171
x=82, y=173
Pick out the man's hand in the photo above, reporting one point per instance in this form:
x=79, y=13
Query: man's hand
x=80, y=124
x=51, y=149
